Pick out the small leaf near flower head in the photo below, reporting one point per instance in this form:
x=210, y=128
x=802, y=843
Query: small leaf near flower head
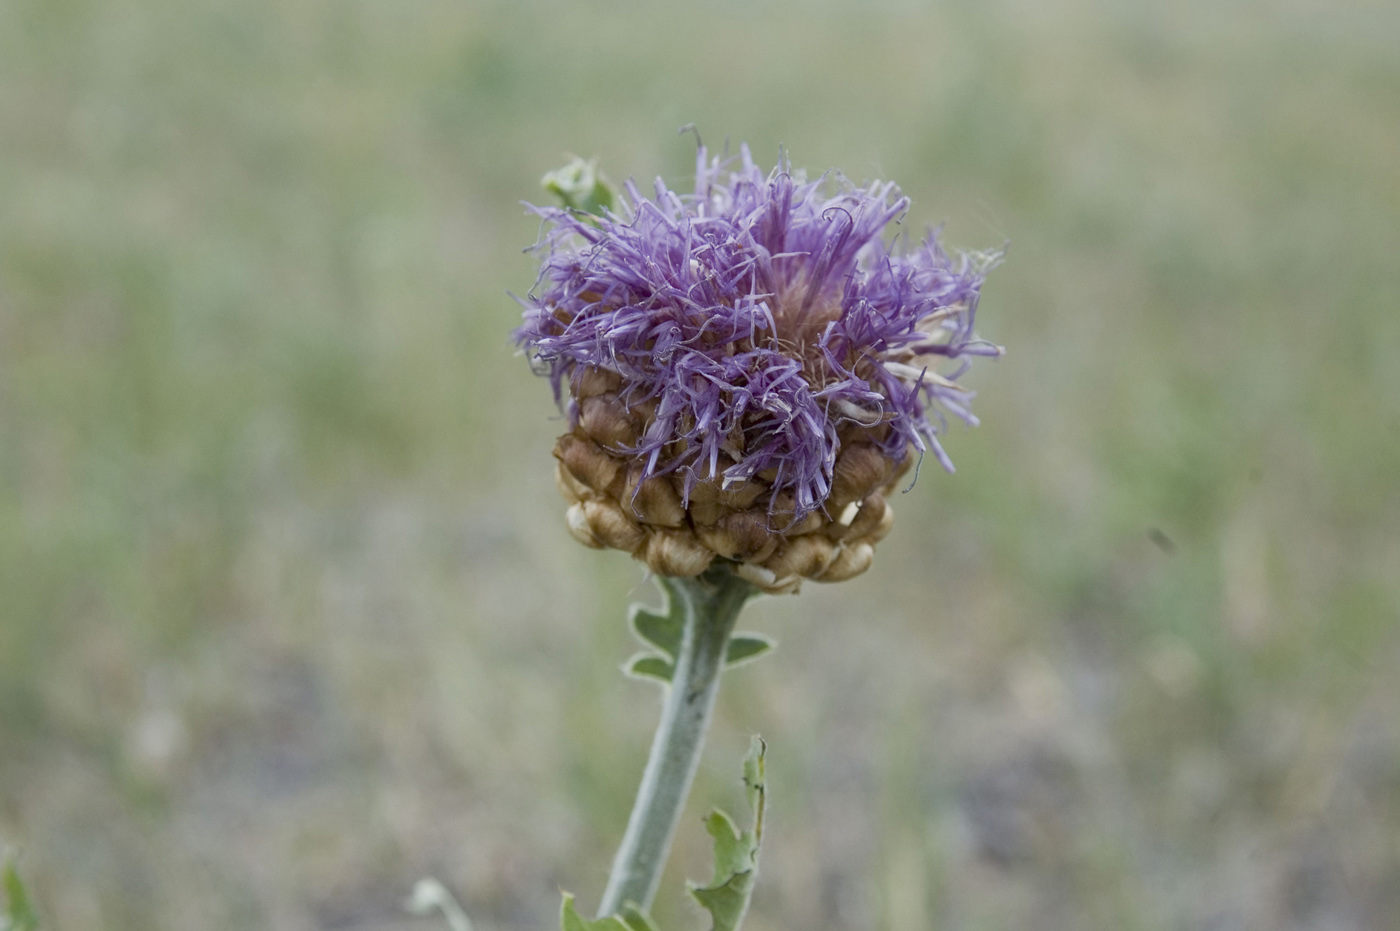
x=580, y=186
x=571, y=920
x=662, y=631
x=649, y=666
x=726, y=898
x=18, y=914
x=745, y=648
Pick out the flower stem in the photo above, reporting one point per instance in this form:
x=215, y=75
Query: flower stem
x=711, y=604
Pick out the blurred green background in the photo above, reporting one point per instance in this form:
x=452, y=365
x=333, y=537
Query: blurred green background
x=288, y=614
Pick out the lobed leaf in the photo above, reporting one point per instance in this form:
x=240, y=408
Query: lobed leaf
x=747, y=647
x=649, y=666
x=727, y=895
x=661, y=629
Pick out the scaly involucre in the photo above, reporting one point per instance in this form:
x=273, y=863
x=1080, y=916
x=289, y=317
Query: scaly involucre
x=755, y=326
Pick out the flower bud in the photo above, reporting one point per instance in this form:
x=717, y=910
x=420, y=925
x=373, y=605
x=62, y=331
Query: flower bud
x=581, y=186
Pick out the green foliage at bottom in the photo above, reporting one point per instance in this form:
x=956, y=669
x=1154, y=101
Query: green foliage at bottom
x=18, y=914
x=726, y=896
x=631, y=918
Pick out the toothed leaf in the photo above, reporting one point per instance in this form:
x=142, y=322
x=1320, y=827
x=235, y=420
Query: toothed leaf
x=649, y=666
x=744, y=648
x=727, y=896
x=571, y=920
x=732, y=854
x=661, y=629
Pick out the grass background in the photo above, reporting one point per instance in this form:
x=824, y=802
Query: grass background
x=288, y=615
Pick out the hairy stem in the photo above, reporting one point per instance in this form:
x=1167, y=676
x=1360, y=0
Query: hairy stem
x=712, y=604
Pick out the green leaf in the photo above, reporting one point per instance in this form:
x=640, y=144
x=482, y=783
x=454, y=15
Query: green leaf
x=732, y=854
x=649, y=666
x=18, y=914
x=581, y=186
x=727, y=896
x=755, y=786
x=571, y=920
x=745, y=648
x=636, y=919
x=661, y=629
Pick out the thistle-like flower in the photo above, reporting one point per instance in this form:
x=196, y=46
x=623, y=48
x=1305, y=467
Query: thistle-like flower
x=748, y=371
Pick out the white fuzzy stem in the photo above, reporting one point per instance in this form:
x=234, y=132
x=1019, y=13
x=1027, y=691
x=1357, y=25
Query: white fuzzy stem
x=712, y=604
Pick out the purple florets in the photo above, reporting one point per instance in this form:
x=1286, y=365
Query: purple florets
x=762, y=321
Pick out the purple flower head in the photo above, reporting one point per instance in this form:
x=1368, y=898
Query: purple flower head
x=751, y=330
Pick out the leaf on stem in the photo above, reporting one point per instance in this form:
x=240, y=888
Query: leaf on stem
x=727, y=896
x=746, y=647
x=660, y=629
x=631, y=918
x=663, y=630
x=649, y=666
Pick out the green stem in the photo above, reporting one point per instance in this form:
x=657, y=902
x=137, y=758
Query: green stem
x=712, y=604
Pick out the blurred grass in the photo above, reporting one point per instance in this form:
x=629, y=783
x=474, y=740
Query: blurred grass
x=289, y=617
